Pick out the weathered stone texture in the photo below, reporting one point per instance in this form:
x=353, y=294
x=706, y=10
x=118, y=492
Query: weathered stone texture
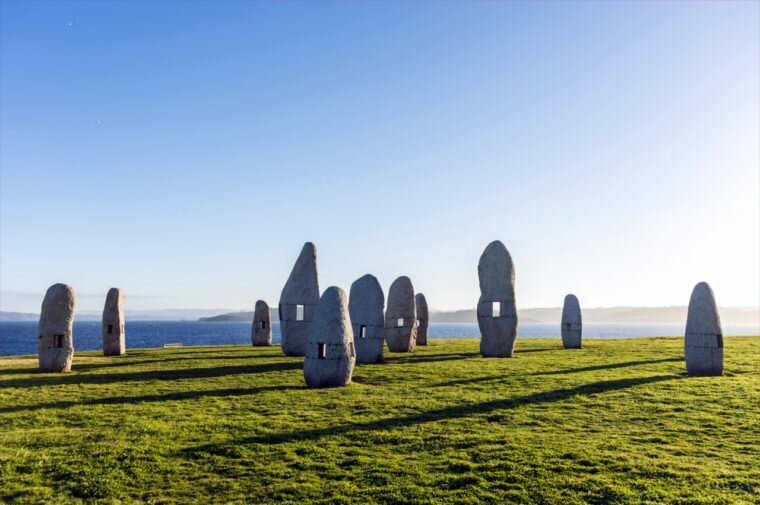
x=572, y=323
x=422, y=319
x=114, y=335
x=330, y=354
x=401, y=317
x=704, y=335
x=56, y=336
x=365, y=305
x=497, y=292
x=261, y=330
x=302, y=289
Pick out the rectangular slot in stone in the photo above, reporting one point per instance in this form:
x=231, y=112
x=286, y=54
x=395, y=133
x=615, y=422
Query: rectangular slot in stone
x=321, y=350
x=57, y=341
x=299, y=312
x=110, y=329
x=399, y=322
x=496, y=309
x=361, y=331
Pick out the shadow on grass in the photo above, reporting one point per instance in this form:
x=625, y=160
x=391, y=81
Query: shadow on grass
x=122, y=400
x=148, y=375
x=395, y=358
x=442, y=414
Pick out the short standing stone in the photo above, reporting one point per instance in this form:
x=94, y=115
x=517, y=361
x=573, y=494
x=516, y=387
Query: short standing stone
x=56, y=336
x=497, y=312
x=401, y=317
x=298, y=302
x=572, y=324
x=330, y=355
x=704, y=335
x=365, y=306
x=261, y=331
x=114, y=336
x=422, y=319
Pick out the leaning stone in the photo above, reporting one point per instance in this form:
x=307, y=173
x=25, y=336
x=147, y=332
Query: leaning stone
x=401, y=317
x=422, y=319
x=298, y=302
x=261, y=331
x=114, y=336
x=704, y=335
x=572, y=324
x=56, y=336
x=365, y=305
x=497, y=312
x=330, y=356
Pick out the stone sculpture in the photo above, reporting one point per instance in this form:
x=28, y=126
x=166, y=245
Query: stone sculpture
x=497, y=312
x=401, y=317
x=261, y=331
x=56, y=336
x=422, y=319
x=365, y=306
x=704, y=335
x=572, y=324
x=298, y=302
x=114, y=336
x=330, y=355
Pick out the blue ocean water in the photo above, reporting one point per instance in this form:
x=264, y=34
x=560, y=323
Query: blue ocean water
x=21, y=337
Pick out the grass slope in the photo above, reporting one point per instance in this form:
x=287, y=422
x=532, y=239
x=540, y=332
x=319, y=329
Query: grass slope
x=615, y=422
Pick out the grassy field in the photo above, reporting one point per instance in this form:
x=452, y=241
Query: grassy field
x=615, y=422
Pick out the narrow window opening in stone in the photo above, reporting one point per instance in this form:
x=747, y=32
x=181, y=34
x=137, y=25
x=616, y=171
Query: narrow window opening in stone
x=58, y=341
x=720, y=340
x=263, y=325
x=495, y=309
x=351, y=349
x=419, y=322
x=321, y=351
x=399, y=322
x=110, y=329
x=361, y=331
x=299, y=312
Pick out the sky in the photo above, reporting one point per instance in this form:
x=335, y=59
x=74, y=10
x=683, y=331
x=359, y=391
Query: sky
x=185, y=151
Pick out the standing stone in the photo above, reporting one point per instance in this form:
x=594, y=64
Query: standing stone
x=114, y=337
x=56, y=336
x=704, y=336
x=497, y=313
x=261, y=331
x=365, y=305
x=330, y=353
x=572, y=324
x=298, y=302
x=401, y=317
x=422, y=319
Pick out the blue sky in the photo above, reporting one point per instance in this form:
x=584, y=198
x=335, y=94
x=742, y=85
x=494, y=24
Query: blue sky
x=184, y=151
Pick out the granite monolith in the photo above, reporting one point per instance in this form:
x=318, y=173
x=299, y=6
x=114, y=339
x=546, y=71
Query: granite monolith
x=365, y=306
x=422, y=319
x=261, y=330
x=330, y=354
x=114, y=335
x=298, y=302
x=497, y=312
x=401, y=317
x=704, y=335
x=56, y=336
x=572, y=323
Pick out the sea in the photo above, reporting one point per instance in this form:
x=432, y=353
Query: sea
x=18, y=338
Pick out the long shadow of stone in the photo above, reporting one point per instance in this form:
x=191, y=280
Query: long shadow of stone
x=453, y=412
x=148, y=375
x=394, y=358
x=610, y=366
x=177, y=396
x=117, y=362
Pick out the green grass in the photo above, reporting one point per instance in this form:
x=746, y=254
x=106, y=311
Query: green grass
x=615, y=422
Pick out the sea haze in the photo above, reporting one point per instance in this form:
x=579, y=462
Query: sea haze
x=17, y=338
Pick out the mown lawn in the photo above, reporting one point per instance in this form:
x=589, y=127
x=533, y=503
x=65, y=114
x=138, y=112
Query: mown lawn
x=615, y=422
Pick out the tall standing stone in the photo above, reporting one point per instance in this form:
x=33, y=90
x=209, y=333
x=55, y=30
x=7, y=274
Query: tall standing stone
x=298, y=302
x=261, y=331
x=330, y=355
x=56, y=335
x=365, y=305
x=401, y=317
x=704, y=335
x=497, y=312
x=572, y=324
x=422, y=319
x=114, y=336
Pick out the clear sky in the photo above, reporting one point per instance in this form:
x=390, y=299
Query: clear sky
x=185, y=151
